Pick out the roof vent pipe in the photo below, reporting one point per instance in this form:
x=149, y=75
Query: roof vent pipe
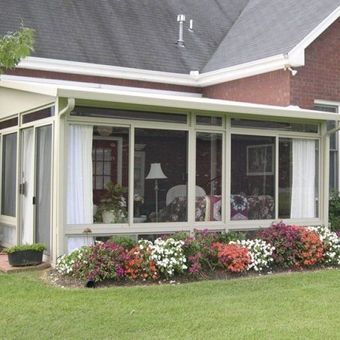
x=191, y=25
x=181, y=20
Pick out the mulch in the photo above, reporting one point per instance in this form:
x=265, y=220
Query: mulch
x=52, y=277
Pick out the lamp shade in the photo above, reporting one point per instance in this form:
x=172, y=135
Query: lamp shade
x=156, y=172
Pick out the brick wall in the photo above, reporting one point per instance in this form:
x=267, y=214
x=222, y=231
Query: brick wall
x=268, y=88
x=320, y=77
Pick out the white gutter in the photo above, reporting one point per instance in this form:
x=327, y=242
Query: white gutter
x=35, y=80
x=196, y=104
x=74, y=67
x=193, y=79
x=252, y=68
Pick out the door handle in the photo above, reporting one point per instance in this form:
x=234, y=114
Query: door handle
x=22, y=188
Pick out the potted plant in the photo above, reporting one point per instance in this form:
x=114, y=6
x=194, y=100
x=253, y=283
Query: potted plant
x=25, y=255
x=112, y=208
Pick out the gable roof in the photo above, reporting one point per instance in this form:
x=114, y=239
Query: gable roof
x=142, y=34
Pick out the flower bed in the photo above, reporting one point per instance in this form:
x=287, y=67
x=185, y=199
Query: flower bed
x=279, y=247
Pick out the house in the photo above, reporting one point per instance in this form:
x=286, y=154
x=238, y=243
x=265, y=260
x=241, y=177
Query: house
x=149, y=117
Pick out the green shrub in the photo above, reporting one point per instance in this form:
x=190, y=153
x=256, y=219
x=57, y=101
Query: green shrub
x=231, y=236
x=334, y=211
x=124, y=241
x=35, y=247
x=178, y=236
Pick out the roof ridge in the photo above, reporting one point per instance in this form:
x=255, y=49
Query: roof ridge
x=225, y=36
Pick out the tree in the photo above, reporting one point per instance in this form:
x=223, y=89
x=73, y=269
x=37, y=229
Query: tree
x=14, y=46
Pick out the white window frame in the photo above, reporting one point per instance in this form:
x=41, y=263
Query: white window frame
x=192, y=128
x=335, y=104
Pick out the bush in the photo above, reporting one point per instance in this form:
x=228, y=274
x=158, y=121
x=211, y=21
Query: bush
x=168, y=256
x=294, y=246
x=124, y=241
x=331, y=243
x=98, y=262
x=334, y=211
x=232, y=257
x=139, y=264
x=312, y=247
x=260, y=253
x=200, y=253
x=231, y=236
x=201, y=257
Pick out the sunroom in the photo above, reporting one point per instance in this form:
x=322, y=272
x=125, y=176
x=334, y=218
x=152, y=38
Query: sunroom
x=93, y=162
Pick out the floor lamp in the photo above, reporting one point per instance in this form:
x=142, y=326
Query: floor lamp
x=156, y=173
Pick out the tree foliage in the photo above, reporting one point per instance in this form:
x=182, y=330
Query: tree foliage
x=14, y=46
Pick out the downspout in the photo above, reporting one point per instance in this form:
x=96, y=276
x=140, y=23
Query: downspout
x=337, y=128
x=58, y=180
x=69, y=107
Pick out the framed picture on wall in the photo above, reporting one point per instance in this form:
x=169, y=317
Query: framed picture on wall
x=260, y=160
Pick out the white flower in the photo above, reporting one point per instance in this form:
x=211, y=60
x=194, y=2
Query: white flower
x=260, y=253
x=331, y=243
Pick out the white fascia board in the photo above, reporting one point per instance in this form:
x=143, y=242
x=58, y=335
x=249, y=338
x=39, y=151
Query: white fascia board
x=249, y=69
x=74, y=67
x=298, y=52
x=195, y=80
x=58, y=82
x=192, y=103
x=45, y=89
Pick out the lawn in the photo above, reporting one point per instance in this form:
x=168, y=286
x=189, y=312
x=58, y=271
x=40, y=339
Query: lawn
x=284, y=306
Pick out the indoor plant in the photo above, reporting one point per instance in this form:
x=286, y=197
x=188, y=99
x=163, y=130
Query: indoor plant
x=112, y=208
x=25, y=255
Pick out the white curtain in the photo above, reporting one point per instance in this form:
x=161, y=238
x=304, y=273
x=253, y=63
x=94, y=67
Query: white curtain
x=303, y=184
x=79, y=183
x=27, y=181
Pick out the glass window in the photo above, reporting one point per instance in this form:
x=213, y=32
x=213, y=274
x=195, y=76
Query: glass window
x=209, y=120
x=98, y=160
x=281, y=126
x=9, y=158
x=298, y=178
x=8, y=123
x=208, y=177
x=160, y=176
x=252, y=177
x=129, y=114
x=333, y=148
x=41, y=114
x=110, y=171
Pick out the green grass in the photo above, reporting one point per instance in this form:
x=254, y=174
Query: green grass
x=284, y=306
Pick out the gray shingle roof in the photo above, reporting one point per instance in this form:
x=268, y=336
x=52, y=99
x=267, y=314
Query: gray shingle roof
x=142, y=33
x=267, y=28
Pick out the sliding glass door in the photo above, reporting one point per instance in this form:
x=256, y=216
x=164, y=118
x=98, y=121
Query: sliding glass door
x=43, y=185
x=35, y=185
